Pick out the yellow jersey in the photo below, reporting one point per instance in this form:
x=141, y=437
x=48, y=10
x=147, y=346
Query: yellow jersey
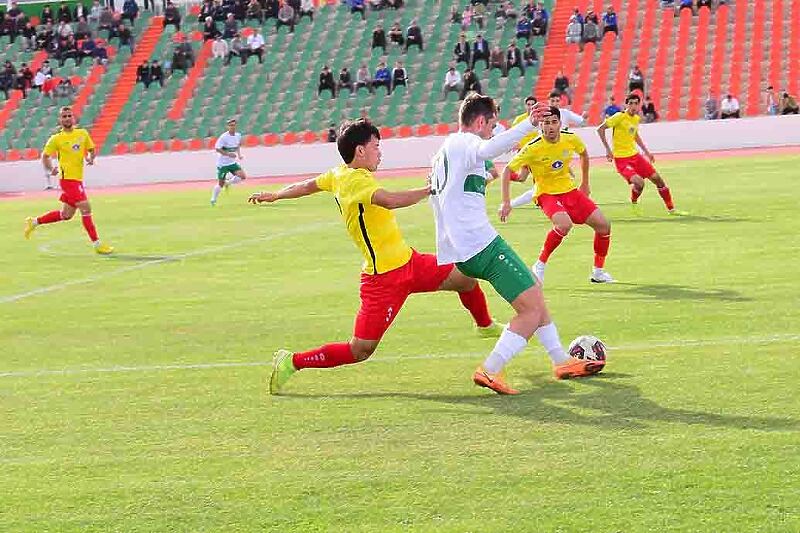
x=528, y=138
x=373, y=228
x=549, y=162
x=70, y=148
x=624, y=128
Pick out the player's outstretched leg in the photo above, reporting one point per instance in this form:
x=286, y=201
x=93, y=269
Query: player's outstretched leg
x=237, y=177
x=637, y=188
x=562, y=225
x=331, y=355
x=216, y=191
x=65, y=213
x=602, y=240
x=666, y=195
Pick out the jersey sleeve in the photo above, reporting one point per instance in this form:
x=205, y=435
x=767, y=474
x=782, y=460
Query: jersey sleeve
x=577, y=144
x=613, y=120
x=519, y=160
x=50, y=147
x=325, y=181
x=89, y=142
x=218, y=145
x=363, y=188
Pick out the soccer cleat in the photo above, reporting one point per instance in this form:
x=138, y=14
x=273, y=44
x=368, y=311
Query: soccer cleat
x=282, y=370
x=538, y=271
x=29, y=227
x=104, y=249
x=494, y=382
x=601, y=276
x=492, y=331
x=677, y=213
x=636, y=210
x=577, y=368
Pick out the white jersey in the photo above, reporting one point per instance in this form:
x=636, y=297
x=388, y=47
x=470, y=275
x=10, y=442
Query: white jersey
x=570, y=119
x=227, y=143
x=458, y=192
x=498, y=129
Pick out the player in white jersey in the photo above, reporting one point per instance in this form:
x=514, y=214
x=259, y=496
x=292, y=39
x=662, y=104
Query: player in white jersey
x=228, y=148
x=465, y=236
x=568, y=119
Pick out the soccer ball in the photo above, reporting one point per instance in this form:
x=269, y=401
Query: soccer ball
x=588, y=348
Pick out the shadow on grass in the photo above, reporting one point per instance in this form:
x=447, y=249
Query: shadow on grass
x=687, y=219
x=134, y=258
x=662, y=291
x=613, y=405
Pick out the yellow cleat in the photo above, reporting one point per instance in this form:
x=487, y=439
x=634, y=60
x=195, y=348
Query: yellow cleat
x=677, y=213
x=104, y=249
x=29, y=227
x=492, y=331
x=636, y=210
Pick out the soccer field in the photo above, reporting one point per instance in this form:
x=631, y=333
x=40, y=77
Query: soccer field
x=133, y=388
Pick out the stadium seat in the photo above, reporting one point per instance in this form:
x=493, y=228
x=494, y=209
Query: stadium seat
x=289, y=138
x=177, y=145
x=120, y=148
x=196, y=144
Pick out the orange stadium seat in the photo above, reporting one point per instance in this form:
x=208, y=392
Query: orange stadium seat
x=139, y=147
x=13, y=155
x=31, y=154
x=386, y=132
x=178, y=36
x=423, y=130
x=2, y=155
x=211, y=142
x=404, y=131
x=442, y=129
x=197, y=36
x=120, y=149
x=289, y=138
x=158, y=146
x=252, y=140
x=194, y=9
x=196, y=144
x=309, y=137
x=271, y=139
x=177, y=145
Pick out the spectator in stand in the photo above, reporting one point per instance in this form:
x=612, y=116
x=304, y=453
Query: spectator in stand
x=414, y=35
x=94, y=13
x=230, y=28
x=788, y=105
x=240, y=10
x=455, y=15
x=383, y=78
x=363, y=79
x=685, y=4
x=206, y=10
x=591, y=16
x=514, y=59
x=711, y=108
x=237, y=48
x=143, y=74
x=172, y=16
x=255, y=12
x=82, y=29
x=480, y=51
x=183, y=56
x=771, y=100
x=255, y=45
x=462, y=53
x=307, y=9
x=88, y=49
x=210, y=30
x=610, y=21
x=399, y=75
x=28, y=37
x=379, y=38
x=14, y=11
x=612, y=108
x=25, y=79
x=466, y=18
x=538, y=25
x=219, y=48
x=38, y=81
x=396, y=34
x=524, y=28
x=45, y=37
x=511, y=11
x=729, y=107
x=705, y=3
x=529, y=56
x=125, y=37
x=106, y=20
x=561, y=84
x=65, y=89
x=500, y=16
x=79, y=11
x=8, y=27
x=575, y=32
x=479, y=15
x=498, y=60
x=130, y=11
x=64, y=14
x=357, y=6
x=452, y=82
x=636, y=79
x=591, y=31
x=100, y=54
x=394, y=4
x=471, y=84
x=286, y=17
x=7, y=77
x=345, y=81
x=649, y=111
x=64, y=30
x=271, y=9
x=331, y=135
x=69, y=49
x=47, y=15
x=326, y=82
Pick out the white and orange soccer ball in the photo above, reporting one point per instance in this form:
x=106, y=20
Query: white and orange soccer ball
x=588, y=348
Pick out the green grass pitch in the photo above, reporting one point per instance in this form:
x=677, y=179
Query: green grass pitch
x=132, y=388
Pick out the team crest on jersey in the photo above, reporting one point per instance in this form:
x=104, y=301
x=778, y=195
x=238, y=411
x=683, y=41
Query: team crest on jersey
x=557, y=164
x=76, y=147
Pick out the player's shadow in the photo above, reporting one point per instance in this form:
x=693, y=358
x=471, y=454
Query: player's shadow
x=686, y=219
x=662, y=291
x=137, y=258
x=603, y=401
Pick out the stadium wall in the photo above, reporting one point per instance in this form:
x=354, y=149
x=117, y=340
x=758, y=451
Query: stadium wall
x=667, y=137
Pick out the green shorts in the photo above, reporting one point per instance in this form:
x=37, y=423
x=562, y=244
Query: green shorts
x=502, y=267
x=223, y=171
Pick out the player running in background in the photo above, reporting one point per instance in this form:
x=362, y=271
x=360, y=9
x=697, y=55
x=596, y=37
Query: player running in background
x=392, y=270
x=71, y=146
x=569, y=119
x=465, y=236
x=548, y=156
x=632, y=165
x=228, y=148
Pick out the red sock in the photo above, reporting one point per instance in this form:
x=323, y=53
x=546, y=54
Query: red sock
x=475, y=302
x=601, y=244
x=327, y=356
x=88, y=223
x=49, y=218
x=551, y=242
x=667, y=197
x=635, y=194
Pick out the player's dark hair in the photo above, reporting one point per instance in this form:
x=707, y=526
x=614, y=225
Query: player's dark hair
x=353, y=134
x=554, y=111
x=631, y=97
x=474, y=106
x=530, y=99
x=555, y=94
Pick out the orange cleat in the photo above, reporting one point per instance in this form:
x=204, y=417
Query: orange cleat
x=577, y=368
x=492, y=381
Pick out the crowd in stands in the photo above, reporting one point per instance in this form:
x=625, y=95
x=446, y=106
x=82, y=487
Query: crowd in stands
x=383, y=78
x=411, y=37
x=44, y=81
x=590, y=28
x=693, y=5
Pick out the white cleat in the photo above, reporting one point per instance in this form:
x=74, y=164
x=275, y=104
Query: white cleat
x=538, y=271
x=601, y=276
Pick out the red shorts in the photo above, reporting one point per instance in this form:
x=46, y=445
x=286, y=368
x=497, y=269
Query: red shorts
x=574, y=203
x=72, y=192
x=382, y=295
x=635, y=165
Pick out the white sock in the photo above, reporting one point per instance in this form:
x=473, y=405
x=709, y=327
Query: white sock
x=596, y=270
x=523, y=199
x=234, y=179
x=215, y=192
x=548, y=337
x=508, y=345
x=48, y=177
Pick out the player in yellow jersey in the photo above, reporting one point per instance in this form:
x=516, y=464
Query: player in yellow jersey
x=548, y=157
x=72, y=146
x=392, y=270
x=632, y=165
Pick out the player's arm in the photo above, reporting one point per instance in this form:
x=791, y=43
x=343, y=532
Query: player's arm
x=239, y=151
x=584, y=186
x=90, y=156
x=492, y=172
x=399, y=199
x=515, y=165
x=641, y=145
x=295, y=190
x=601, y=131
x=503, y=142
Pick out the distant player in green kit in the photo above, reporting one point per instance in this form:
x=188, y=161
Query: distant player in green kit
x=228, y=148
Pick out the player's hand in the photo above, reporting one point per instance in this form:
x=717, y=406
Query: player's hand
x=504, y=211
x=609, y=156
x=585, y=189
x=262, y=197
x=538, y=112
x=54, y=171
x=90, y=161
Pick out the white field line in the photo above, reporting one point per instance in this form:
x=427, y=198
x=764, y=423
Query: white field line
x=168, y=259
x=689, y=343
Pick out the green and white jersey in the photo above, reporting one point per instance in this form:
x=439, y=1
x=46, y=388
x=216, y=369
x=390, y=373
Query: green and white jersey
x=230, y=144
